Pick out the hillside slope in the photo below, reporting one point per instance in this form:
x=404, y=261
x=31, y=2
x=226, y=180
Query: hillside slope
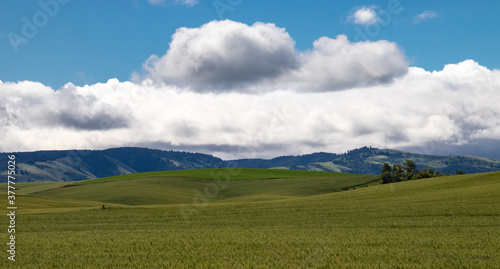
x=370, y=160
x=85, y=164
x=74, y=165
x=446, y=222
x=214, y=185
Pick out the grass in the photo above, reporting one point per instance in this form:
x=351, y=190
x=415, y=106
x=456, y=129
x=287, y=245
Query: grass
x=447, y=222
x=231, y=174
x=24, y=188
x=174, y=187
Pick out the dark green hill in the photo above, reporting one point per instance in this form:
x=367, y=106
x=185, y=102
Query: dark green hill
x=74, y=165
x=369, y=161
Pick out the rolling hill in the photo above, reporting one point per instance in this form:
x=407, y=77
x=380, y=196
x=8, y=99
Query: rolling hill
x=77, y=165
x=446, y=222
x=174, y=187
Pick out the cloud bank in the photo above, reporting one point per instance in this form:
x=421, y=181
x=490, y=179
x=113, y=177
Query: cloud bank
x=334, y=97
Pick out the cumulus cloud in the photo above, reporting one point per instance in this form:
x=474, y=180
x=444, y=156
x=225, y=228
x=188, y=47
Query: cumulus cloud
x=456, y=106
x=224, y=54
x=335, y=64
x=271, y=100
x=365, y=15
x=33, y=105
x=428, y=14
x=231, y=56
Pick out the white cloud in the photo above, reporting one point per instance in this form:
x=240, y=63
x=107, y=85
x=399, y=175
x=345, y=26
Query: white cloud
x=156, y=2
x=188, y=3
x=271, y=100
x=428, y=14
x=365, y=15
x=455, y=106
x=335, y=64
x=231, y=56
x=224, y=54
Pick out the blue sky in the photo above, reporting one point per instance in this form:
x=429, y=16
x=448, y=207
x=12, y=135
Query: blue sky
x=240, y=78
x=91, y=41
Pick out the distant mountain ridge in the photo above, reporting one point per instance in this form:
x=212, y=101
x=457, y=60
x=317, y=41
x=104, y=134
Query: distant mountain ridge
x=73, y=165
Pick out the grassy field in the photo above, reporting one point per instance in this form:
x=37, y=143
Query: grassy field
x=217, y=185
x=258, y=219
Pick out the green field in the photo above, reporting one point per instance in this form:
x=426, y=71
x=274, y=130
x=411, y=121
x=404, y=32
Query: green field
x=254, y=218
